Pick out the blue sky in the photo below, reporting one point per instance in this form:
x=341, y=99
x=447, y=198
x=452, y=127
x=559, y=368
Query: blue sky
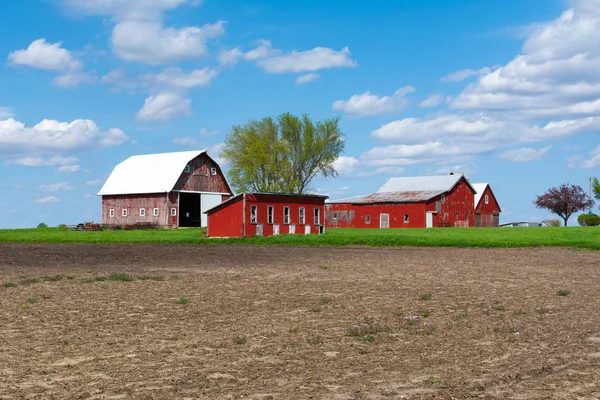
x=506, y=91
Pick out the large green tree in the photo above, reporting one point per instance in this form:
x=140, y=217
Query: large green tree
x=596, y=187
x=282, y=154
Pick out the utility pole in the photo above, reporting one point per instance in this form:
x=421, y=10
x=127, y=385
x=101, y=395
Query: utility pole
x=590, y=180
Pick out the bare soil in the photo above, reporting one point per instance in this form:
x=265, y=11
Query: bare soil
x=298, y=323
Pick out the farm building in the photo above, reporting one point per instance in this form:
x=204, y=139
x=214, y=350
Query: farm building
x=267, y=214
x=168, y=189
x=412, y=202
x=487, y=209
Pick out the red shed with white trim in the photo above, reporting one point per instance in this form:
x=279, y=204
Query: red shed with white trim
x=168, y=189
x=487, y=209
x=267, y=214
x=412, y=202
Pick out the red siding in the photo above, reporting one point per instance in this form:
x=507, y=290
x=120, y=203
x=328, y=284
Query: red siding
x=355, y=215
x=456, y=209
x=488, y=215
x=226, y=222
x=200, y=177
x=133, y=204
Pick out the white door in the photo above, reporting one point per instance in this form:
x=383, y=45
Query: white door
x=208, y=201
x=307, y=229
x=292, y=229
x=384, y=221
x=259, y=230
x=429, y=220
x=275, y=229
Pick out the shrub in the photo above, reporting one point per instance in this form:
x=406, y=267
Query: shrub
x=588, y=220
x=63, y=228
x=553, y=222
x=42, y=225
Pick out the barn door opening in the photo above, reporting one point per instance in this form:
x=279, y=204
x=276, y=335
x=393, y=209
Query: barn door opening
x=189, y=210
x=384, y=221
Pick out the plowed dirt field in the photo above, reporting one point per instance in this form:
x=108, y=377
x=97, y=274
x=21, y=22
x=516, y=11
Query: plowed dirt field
x=297, y=323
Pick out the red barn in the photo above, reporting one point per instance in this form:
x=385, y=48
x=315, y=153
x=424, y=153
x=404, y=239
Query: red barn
x=168, y=189
x=267, y=214
x=487, y=209
x=413, y=202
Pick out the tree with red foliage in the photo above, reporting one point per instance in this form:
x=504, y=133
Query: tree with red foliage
x=564, y=200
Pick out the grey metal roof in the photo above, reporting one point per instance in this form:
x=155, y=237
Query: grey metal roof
x=479, y=188
x=441, y=183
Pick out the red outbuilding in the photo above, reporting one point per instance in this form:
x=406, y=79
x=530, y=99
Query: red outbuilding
x=168, y=189
x=412, y=202
x=487, y=209
x=267, y=214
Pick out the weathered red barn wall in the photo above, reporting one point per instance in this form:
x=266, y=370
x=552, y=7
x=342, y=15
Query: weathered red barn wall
x=456, y=206
x=200, y=178
x=355, y=215
x=173, y=202
x=487, y=215
x=279, y=202
x=228, y=221
x=133, y=204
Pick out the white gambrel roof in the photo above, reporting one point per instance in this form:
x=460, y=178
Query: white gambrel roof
x=479, y=188
x=440, y=183
x=151, y=173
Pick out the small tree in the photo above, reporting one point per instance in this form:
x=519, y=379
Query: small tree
x=564, y=200
x=42, y=225
x=596, y=188
x=283, y=154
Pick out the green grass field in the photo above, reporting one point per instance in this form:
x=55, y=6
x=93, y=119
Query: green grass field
x=578, y=237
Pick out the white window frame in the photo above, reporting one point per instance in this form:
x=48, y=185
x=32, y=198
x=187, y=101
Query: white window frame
x=302, y=216
x=317, y=216
x=111, y=213
x=270, y=214
x=253, y=214
x=188, y=168
x=155, y=212
x=213, y=171
x=487, y=199
x=173, y=212
x=406, y=219
x=124, y=212
x=335, y=216
x=142, y=212
x=286, y=215
x=443, y=198
x=368, y=220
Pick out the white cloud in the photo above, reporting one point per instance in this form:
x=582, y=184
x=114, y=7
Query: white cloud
x=126, y=9
x=87, y=196
x=307, y=61
x=175, y=77
x=206, y=132
x=231, y=56
x=187, y=141
x=69, y=168
x=583, y=162
x=432, y=101
x=466, y=169
x=43, y=55
x=43, y=162
x=5, y=112
x=51, y=136
x=55, y=187
x=524, y=154
x=215, y=153
x=307, y=78
x=72, y=80
x=151, y=43
x=95, y=182
x=367, y=104
x=345, y=165
x=263, y=50
x=163, y=107
x=48, y=200
x=463, y=74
